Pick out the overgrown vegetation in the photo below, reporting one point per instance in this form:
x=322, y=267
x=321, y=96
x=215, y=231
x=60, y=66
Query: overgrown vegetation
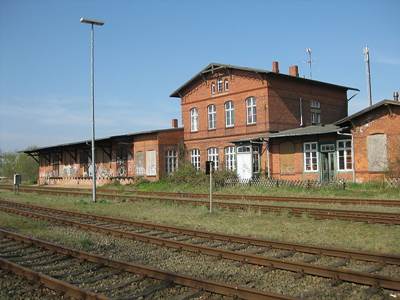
x=281, y=227
x=14, y=162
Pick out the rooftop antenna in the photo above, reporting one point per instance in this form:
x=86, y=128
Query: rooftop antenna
x=309, y=60
x=368, y=73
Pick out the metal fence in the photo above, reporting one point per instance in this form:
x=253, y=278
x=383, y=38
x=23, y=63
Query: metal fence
x=393, y=182
x=271, y=182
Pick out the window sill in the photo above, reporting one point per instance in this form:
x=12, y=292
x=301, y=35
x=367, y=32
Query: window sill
x=212, y=129
x=251, y=124
x=228, y=127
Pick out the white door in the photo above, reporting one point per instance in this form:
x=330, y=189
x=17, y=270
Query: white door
x=244, y=165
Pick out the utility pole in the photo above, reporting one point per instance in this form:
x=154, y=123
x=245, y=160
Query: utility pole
x=368, y=73
x=92, y=23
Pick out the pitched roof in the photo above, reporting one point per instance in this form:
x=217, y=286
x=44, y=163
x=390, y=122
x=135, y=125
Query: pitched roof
x=212, y=67
x=88, y=142
x=308, y=130
x=384, y=102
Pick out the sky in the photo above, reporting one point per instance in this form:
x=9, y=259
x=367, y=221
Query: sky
x=147, y=49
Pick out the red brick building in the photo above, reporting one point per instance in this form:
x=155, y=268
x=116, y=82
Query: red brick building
x=362, y=147
x=228, y=113
x=251, y=121
x=148, y=154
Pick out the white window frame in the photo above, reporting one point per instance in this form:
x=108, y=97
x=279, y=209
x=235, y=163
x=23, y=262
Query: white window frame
x=229, y=114
x=212, y=116
x=230, y=158
x=220, y=86
x=311, y=156
x=345, y=155
x=194, y=119
x=212, y=154
x=195, y=158
x=171, y=161
x=226, y=85
x=251, y=110
x=212, y=88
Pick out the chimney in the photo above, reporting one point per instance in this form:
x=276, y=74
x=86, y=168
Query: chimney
x=174, y=123
x=396, y=96
x=294, y=71
x=275, y=67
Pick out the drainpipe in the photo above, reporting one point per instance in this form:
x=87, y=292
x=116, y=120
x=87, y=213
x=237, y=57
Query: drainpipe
x=352, y=152
x=268, y=163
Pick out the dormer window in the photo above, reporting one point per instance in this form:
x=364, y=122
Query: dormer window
x=220, y=85
x=226, y=85
x=213, y=88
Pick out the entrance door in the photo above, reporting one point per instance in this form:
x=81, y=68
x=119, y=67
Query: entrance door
x=328, y=166
x=244, y=163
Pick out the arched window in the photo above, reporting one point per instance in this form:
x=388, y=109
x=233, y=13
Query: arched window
x=212, y=116
x=230, y=158
x=220, y=85
x=194, y=120
x=229, y=114
x=212, y=88
x=251, y=110
x=226, y=85
x=213, y=156
x=195, y=158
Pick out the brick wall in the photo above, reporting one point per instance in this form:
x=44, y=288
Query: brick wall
x=379, y=121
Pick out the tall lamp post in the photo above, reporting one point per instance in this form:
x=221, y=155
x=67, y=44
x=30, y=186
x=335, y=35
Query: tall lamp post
x=92, y=22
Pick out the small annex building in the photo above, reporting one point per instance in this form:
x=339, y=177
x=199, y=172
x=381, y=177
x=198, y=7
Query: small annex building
x=146, y=154
x=362, y=147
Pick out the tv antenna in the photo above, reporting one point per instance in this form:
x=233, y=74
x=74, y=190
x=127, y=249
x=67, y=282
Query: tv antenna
x=309, y=60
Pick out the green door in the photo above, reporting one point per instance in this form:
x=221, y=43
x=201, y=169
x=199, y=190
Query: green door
x=328, y=169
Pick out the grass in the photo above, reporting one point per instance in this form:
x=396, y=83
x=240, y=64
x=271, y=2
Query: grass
x=372, y=190
x=283, y=227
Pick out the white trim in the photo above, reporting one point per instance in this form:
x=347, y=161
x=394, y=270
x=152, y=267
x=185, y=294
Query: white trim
x=194, y=119
x=212, y=154
x=252, y=105
x=344, y=156
x=195, y=158
x=212, y=116
x=304, y=157
x=230, y=110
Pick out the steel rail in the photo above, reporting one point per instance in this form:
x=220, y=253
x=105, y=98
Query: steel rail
x=317, y=213
x=334, y=252
x=301, y=268
x=243, y=197
x=50, y=282
x=183, y=280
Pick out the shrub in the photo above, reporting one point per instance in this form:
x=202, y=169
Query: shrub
x=187, y=174
x=221, y=177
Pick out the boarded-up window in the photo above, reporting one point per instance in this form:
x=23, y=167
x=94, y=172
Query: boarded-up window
x=151, y=165
x=286, y=157
x=139, y=160
x=377, y=153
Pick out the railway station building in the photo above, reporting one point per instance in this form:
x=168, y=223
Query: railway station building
x=148, y=154
x=251, y=121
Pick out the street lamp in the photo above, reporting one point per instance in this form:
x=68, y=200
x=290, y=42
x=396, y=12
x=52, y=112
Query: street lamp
x=92, y=23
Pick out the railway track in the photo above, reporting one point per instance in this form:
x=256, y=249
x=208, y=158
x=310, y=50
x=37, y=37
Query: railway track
x=335, y=264
x=317, y=213
x=236, y=197
x=82, y=275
